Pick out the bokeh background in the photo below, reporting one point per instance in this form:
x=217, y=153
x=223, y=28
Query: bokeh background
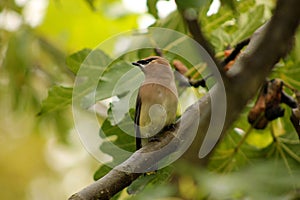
x=41, y=157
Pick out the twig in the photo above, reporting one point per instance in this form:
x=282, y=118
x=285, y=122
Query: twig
x=191, y=18
x=235, y=52
x=158, y=52
x=195, y=30
x=201, y=82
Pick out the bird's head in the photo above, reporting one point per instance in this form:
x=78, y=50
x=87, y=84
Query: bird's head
x=151, y=60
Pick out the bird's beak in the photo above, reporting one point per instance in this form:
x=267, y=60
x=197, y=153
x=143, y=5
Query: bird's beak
x=136, y=64
x=139, y=65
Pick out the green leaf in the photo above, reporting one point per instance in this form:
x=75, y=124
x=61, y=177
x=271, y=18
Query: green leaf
x=158, y=192
x=248, y=23
x=139, y=184
x=220, y=39
x=118, y=80
x=121, y=80
x=151, y=4
x=265, y=180
x=290, y=73
x=102, y=171
x=58, y=99
x=238, y=150
x=172, y=21
x=229, y=22
x=229, y=3
x=75, y=60
x=91, y=70
x=117, y=141
x=93, y=63
x=157, y=178
x=184, y=4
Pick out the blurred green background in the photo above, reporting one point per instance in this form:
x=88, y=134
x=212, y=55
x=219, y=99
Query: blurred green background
x=41, y=156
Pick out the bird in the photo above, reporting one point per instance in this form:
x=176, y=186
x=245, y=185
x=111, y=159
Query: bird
x=157, y=99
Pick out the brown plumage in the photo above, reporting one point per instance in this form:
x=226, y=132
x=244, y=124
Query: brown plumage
x=157, y=99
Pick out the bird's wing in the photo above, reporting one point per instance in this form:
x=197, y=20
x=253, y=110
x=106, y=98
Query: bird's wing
x=138, y=140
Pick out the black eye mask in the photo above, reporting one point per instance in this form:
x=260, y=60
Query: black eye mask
x=143, y=62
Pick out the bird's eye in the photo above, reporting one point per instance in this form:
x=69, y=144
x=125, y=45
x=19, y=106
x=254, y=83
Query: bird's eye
x=145, y=62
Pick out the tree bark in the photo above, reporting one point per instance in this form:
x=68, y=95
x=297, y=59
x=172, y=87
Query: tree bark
x=268, y=44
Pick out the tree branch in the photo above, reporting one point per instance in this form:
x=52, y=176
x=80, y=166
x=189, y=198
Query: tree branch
x=190, y=16
x=235, y=52
x=145, y=158
x=267, y=46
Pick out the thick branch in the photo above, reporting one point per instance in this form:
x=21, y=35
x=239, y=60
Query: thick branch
x=267, y=46
x=149, y=155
